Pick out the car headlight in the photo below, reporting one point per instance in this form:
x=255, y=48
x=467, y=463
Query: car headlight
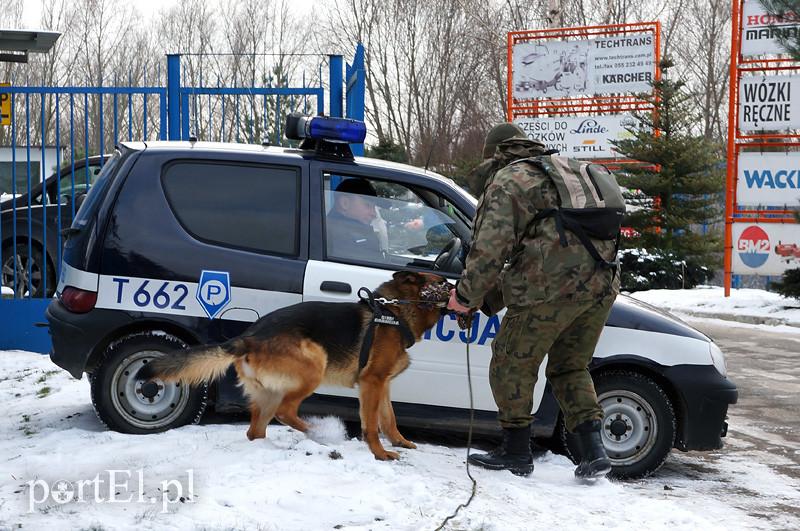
x=718, y=359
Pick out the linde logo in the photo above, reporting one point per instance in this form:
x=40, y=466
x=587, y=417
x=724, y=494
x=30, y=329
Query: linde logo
x=753, y=247
x=589, y=126
x=780, y=179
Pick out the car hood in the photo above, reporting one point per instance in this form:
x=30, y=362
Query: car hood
x=628, y=312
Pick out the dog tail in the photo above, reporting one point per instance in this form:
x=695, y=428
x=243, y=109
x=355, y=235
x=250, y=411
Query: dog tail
x=193, y=365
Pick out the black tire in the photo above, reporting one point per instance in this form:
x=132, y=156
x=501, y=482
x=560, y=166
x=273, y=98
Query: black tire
x=119, y=399
x=634, y=403
x=16, y=257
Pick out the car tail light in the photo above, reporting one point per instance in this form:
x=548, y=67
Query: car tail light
x=78, y=300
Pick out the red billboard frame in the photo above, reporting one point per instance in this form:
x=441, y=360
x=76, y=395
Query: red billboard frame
x=737, y=141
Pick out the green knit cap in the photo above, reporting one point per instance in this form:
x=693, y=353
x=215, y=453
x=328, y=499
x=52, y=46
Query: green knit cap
x=499, y=133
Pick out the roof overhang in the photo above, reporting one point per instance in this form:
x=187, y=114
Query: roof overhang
x=15, y=45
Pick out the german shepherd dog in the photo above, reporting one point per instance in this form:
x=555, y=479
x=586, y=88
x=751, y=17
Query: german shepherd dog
x=285, y=355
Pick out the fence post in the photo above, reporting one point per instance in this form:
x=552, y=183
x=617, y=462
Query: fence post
x=173, y=96
x=356, y=91
x=335, y=63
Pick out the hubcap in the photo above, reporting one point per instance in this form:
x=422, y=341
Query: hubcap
x=629, y=426
x=20, y=263
x=147, y=404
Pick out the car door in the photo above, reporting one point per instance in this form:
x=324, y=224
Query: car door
x=413, y=223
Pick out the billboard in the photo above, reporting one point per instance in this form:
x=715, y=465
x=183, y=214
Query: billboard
x=761, y=31
x=616, y=64
x=769, y=103
x=579, y=136
x=768, y=179
x=765, y=248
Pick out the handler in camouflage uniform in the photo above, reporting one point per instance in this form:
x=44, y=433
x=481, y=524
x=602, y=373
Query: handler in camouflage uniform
x=557, y=299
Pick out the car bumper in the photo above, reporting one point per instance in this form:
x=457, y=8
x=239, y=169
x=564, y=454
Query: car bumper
x=704, y=396
x=76, y=336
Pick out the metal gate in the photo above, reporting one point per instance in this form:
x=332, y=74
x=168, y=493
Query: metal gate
x=57, y=139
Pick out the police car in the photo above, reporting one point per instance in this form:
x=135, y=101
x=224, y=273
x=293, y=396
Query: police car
x=182, y=243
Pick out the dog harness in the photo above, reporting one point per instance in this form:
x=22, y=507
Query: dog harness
x=381, y=315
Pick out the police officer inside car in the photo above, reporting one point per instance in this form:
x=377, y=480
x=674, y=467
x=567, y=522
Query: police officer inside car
x=558, y=300
x=349, y=230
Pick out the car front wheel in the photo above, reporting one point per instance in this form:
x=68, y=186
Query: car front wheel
x=638, y=424
x=128, y=405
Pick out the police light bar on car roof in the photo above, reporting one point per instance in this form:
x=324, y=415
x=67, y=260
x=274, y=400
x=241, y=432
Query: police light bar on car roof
x=300, y=127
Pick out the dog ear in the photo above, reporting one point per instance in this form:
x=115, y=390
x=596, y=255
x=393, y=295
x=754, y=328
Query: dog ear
x=409, y=277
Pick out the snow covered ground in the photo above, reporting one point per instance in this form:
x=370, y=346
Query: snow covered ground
x=52, y=446
x=753, y=306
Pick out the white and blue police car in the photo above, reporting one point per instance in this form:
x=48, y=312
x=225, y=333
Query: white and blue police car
x=182, y=243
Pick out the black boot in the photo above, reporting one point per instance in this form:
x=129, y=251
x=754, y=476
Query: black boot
x=594, y=461
x=513, y=454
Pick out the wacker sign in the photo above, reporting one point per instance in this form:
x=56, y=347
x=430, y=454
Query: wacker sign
x=768, y=179
x=769, y=103
x=579, y=137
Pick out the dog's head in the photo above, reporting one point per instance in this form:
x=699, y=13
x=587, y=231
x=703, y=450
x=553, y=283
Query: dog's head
x=414, y=285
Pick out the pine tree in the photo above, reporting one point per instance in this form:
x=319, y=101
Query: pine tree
x=782, y=8
x=680, y=180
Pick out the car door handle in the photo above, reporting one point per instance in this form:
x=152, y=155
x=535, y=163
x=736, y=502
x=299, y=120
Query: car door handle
x=338, y=287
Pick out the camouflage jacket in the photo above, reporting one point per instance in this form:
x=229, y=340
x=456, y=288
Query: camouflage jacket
x=526, y=262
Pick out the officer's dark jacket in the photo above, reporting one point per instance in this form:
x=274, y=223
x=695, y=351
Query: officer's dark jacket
x=349, y=238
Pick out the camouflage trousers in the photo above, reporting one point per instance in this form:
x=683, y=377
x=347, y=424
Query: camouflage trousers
x=568, y=333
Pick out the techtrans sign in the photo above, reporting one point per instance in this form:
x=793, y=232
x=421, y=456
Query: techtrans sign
x=769, y=103
x=765, y=248
x=579, y=136
x=762, y=31
x=768, y=179
x=615, y=64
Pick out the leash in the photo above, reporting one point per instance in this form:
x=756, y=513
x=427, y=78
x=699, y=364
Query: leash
x=383, y=315
x=466, y=323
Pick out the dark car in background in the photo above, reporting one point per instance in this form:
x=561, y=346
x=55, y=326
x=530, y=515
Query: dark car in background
x=30, y=239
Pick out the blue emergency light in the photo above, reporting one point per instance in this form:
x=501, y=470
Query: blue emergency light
x=325, y=128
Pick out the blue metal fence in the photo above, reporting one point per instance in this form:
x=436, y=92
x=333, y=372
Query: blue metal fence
x=75, y=128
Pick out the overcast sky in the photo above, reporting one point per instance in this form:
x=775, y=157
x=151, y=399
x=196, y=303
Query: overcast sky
x=32, y=9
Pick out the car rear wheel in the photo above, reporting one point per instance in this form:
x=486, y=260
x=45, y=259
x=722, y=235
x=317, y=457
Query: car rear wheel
x=128, y=405
x=638, y=423
x=25, y=272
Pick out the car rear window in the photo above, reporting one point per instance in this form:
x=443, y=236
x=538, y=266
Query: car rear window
x=244, y=206
x=96, y=192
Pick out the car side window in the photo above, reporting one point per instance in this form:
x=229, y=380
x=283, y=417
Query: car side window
x=83, y=180
x=385, y=223
x=245, y=206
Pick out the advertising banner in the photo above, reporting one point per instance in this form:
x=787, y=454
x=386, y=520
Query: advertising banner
x=769, y=179
x=761, y=30
x=769, y=103
x=579, y=136
x=765, y=248
x=618, y=64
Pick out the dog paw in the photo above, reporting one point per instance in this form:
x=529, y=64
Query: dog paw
x=253, y=435
x=387, y=456
x=405, y=443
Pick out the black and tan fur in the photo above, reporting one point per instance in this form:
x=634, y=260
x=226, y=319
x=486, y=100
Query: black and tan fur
x=284, y=356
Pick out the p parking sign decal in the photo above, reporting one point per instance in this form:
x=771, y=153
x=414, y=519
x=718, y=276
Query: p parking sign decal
x=214, y=291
